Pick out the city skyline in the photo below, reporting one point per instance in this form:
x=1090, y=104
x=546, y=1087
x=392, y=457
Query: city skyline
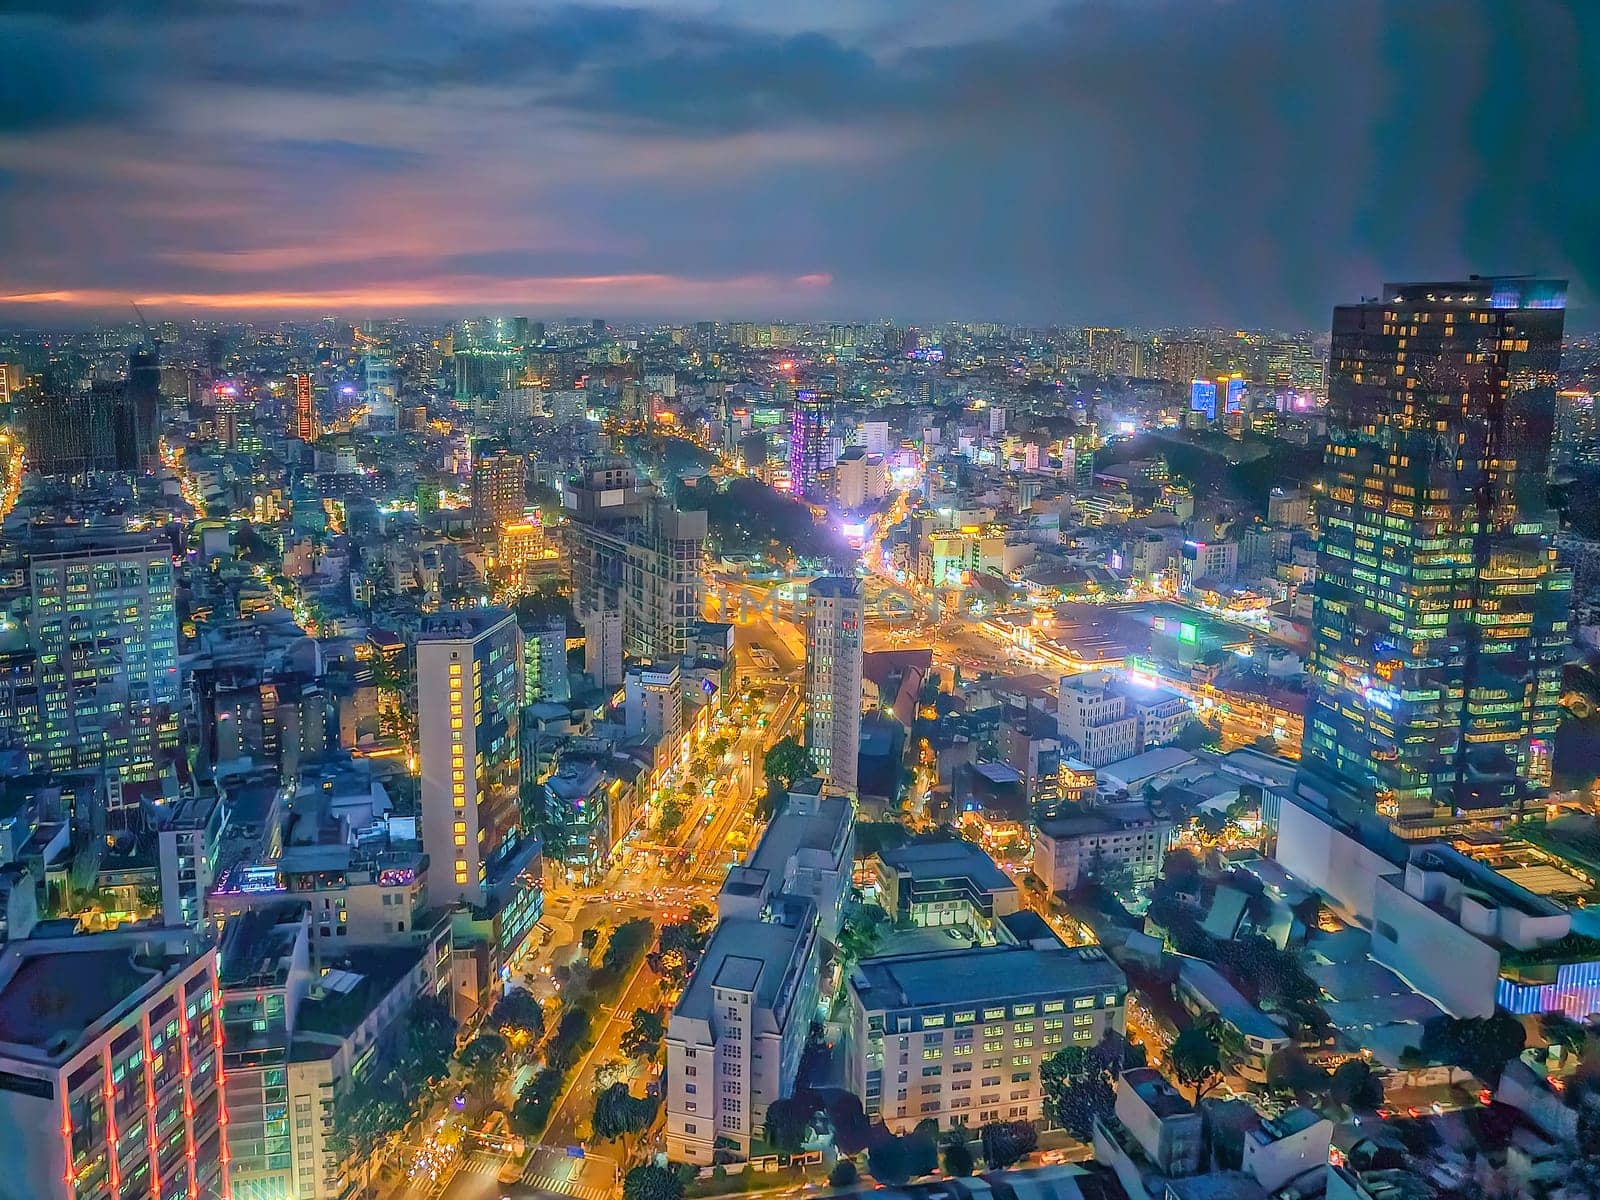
x=850, y=160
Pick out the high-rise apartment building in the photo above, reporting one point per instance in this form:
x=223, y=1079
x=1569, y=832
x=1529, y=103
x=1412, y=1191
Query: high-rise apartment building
x=833, y=679
x=469, y=696
x=305, y=413
x=113, y=425
x=105, y=633
x=635, y=555
x=544, y=663
x=108, y=1050
x=499, y=487
x=808, y=443
x=1439, y=617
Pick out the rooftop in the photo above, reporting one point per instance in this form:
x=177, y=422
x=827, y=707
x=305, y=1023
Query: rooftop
x=52, y=991
x=744, y=953
x=982, y=973
x=944, y=860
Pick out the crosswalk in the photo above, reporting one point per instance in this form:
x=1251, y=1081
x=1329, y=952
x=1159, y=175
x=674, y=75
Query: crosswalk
x=481, y=1164
x=561, y=1175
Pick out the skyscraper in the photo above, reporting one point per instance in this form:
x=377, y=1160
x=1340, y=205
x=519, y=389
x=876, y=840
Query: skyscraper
x=833, y=679
x=1439, y=615
x=469, y=697
x=104, y=627
x=305, y=413
x=633, y=553
x=808, y=443
x=499, y=486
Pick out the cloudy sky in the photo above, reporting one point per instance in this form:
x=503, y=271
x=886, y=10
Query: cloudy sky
x=1145, y=162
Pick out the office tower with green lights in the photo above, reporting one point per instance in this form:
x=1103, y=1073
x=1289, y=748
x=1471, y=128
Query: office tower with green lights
x=1440, y=618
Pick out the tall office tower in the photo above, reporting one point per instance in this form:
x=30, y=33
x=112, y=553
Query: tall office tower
x=1439, y=616
x=142, y=407
x=544, y=663
x=635, y=555
x=808, y=443
x=108, y=1049
x=833, y=679
x=482, y=373
x=105, y=631
x=499, y=486
x=469, y=696
x=305, y=413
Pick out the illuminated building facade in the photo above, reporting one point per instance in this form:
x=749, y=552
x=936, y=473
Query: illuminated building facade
x=109, y=1045
x=499, y=487
x=637, y=578
x=469, y=697
x=1439, y=616
x=808, y=443
x=104, y=628
x=305, y=413
x=833, y=680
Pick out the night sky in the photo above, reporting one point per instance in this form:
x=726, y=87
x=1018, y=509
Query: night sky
x=1145, y=162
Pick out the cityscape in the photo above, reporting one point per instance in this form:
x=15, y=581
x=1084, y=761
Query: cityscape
x=725, y=744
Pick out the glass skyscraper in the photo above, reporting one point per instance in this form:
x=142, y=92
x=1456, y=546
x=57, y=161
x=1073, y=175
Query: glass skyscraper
x=1439, y=619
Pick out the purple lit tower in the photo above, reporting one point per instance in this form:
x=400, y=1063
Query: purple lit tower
x=808, y=441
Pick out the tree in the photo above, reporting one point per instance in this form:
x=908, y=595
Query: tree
x=617, y=1113
x=520, y=1019
x=1080, y=1084
x=922, y=1147
x=643, y=1037
x=1356, y=1085
x=680, y=944
x=1007, y=1142
x=1561, y=1030
x=890, y=1160
x=673, y=810
x=532, y=1108
x=844, y=1173
x=483, y=1059
x=1195, y=1059
x=958, y=1160
x=1481, y=1045
x=652, y=1183
x=861, y=931
x=1289, y=1070
x=789, y=1122
x=849, y=1120
x=784, y=763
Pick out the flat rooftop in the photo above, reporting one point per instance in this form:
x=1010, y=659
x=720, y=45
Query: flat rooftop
x=743, y=953
x=981, y=973
x=55, y=990
x=946, y=860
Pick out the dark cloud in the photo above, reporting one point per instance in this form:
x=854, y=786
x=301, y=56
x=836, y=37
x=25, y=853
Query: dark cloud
x=1145, y=161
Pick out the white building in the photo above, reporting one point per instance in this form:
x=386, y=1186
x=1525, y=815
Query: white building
x=1112, y=718
x=1069, y=849
x=859, y=478
x=735, y=1039
x=1454, y=928
x=653, y=701
x=187, y=847
x=545, y=664
x=1096, y=719
x=958, y=1035
x=806, y=850
x=833, y=679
